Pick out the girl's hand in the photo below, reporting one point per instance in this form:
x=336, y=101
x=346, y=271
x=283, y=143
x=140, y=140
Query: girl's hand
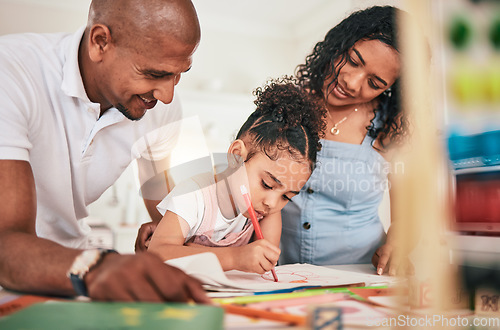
x=257, y=257
x=144, y=236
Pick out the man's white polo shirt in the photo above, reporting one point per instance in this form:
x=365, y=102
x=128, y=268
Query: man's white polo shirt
x=48, y=120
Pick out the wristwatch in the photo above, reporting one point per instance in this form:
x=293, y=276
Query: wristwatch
x=83, y=263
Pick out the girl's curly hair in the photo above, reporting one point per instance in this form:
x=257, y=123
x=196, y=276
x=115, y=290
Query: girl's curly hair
x=374, y=23
x=287, y=119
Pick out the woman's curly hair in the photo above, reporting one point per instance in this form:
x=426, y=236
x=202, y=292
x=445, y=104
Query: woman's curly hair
x=374, y=23
x=287, y=119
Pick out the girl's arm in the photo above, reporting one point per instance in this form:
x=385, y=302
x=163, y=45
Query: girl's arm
x=168, y=243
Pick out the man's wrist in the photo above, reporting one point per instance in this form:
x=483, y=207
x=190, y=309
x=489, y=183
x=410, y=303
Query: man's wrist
x=83, y=264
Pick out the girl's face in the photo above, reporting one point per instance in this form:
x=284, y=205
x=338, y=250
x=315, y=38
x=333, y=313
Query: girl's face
x=371, y=68
x=273, y=183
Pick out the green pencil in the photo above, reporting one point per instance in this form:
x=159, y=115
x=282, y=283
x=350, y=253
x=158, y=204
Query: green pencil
x=276, y=296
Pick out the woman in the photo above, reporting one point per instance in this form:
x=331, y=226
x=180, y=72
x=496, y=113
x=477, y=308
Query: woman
x=355, y=70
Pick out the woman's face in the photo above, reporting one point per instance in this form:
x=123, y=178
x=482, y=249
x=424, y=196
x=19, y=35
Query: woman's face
x=372, y=67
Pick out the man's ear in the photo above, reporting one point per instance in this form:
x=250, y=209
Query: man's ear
x=238, y=151
x=99, y=41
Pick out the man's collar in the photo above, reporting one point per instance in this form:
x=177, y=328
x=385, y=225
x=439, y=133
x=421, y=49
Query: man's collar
x=72, y=83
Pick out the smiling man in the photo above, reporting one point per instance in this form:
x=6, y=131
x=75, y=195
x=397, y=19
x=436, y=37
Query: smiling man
x=130, y=59
x=73, y=106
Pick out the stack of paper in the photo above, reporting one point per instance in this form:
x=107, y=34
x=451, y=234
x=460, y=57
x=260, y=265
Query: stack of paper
x=206, y=268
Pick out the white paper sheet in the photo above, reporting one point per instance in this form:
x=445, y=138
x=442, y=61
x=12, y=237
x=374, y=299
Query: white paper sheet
x=207, y=269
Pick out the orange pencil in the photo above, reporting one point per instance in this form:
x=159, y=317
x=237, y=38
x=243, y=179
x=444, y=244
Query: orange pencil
x=255, y=222
x=262, y=314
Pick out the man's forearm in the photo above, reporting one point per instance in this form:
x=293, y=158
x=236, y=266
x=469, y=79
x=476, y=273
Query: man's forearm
x=32, y=264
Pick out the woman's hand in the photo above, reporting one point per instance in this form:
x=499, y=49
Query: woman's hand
x=387, y=260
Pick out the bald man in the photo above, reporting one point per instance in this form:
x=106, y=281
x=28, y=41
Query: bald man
x=75, y=111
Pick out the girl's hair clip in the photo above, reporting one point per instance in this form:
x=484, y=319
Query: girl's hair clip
x=277, y=116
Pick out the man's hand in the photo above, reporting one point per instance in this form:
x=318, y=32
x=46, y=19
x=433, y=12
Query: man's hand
x=141, y=277
x=144, y=236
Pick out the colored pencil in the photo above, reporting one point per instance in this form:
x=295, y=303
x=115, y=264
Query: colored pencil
x=278, y=296
x=302, y=288
x=262, y=314
x=255, y=222
x=316, y=299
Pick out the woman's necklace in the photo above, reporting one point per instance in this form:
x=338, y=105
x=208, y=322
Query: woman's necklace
x=335, y=129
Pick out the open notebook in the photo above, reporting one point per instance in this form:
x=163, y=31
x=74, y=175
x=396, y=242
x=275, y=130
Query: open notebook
x=206, y=268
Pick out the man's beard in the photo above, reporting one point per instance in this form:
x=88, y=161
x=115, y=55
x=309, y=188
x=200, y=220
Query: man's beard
x=127, y=113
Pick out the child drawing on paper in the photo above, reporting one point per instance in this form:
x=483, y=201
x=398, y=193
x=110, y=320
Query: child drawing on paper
x=290, y=276
x=273, y=155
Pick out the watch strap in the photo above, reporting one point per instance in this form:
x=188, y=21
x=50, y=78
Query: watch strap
x=78, y=285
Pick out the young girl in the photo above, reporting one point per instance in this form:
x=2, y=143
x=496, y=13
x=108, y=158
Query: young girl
x=272, y=157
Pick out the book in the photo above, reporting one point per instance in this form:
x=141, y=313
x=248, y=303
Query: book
x=103, y=315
